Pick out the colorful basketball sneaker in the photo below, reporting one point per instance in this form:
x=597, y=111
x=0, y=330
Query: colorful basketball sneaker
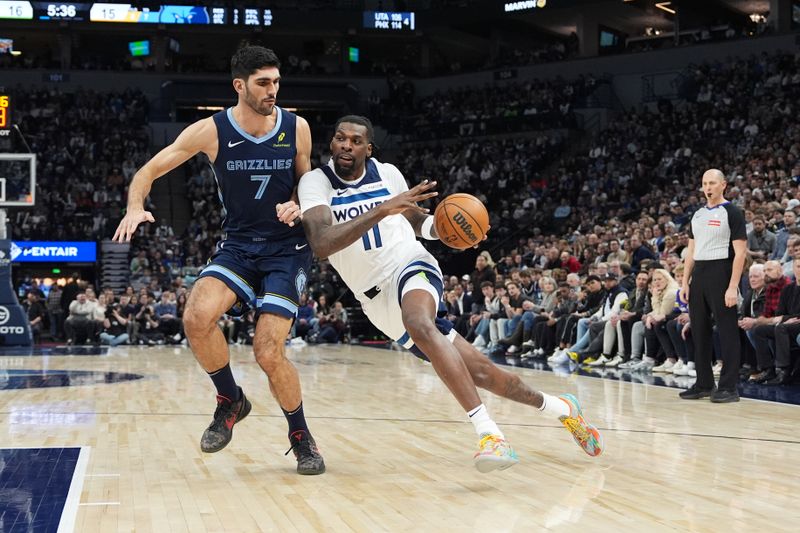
x=228, y=413
x=585, y=434
x=494, y=453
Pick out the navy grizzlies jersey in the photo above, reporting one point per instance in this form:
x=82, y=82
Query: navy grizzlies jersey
x=253, y=174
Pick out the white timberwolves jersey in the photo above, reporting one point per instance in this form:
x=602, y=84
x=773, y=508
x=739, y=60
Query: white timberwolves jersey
x=389, y=245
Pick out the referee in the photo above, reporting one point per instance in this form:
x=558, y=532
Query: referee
x=714, y=263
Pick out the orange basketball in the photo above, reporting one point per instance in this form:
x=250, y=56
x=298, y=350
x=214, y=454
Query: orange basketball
x=461, y=221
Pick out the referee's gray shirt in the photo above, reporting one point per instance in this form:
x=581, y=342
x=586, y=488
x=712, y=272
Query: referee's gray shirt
x=714, y=229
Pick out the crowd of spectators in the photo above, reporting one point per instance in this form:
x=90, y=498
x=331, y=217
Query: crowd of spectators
x=502, y=173
x=88, y=145
x=76, y=314
x=494, y=109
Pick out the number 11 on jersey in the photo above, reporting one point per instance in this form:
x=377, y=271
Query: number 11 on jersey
x=376, y=234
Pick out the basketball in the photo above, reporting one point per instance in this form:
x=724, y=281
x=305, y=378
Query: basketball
x=461, y=221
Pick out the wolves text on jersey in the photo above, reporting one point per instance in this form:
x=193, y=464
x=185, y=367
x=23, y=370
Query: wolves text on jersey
x=343, y=214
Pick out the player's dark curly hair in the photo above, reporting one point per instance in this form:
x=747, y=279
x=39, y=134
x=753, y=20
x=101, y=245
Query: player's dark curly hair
x=249, y=59
x=361, y=121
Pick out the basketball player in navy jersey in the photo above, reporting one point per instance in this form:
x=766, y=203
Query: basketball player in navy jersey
x=258, y=151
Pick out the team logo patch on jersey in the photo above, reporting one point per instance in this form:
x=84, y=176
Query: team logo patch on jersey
x=280, y=143
x=300, y=282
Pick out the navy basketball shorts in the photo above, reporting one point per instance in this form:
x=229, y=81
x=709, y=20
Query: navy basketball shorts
x=266, y=276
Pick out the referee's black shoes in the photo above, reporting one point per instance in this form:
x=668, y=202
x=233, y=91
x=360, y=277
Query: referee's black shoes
x=693, y=393
x=724, y=396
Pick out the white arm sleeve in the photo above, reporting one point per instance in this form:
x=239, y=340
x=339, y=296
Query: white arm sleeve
x=313, y=190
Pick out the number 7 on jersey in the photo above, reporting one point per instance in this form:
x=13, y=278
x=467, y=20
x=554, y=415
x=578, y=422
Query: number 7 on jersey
x=264, y=179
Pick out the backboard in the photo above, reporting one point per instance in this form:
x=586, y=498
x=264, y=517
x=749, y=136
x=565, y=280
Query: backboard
x=17, y=180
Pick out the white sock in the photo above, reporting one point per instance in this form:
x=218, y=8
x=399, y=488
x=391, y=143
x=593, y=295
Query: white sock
x=483, y=422
x=649, y=359
x=690, y=364
x=554, y=406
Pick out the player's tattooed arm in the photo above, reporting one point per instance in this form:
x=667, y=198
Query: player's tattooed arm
x=327, y=238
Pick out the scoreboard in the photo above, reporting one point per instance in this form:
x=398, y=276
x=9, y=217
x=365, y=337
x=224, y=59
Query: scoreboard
x=132, y=14
x=5, y=112
x=392, y=21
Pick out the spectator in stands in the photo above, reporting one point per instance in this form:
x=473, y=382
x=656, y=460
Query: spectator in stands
x=115, y=326
x=154, y=288
x=36, y=314
x=602, y=328
x=79, y=324
x=775, y=282
x=129, y=308
x=576, y=325
x=148, y=329
x=515, y=304
x=616, y=253
x=752, y=308
x=55, y=312
x=530, y=287
x=541, y=312
x=333, y=326
x=166, y=313
x=782, y=329
x=70, y=292
x=631, y=313
x=459, y=305
x=663, y=294
x=180, y=303
x=782, y=237
x=483, y=310
x=793, y=254
x=321, y=310
x=484, y=269
x=544, y=332
x=139, y=263
x=497, y=321
x=668, y=331
x=760, y=242
x=98, y=315
x=569, y=262
x=305, y=314
x=639, y=252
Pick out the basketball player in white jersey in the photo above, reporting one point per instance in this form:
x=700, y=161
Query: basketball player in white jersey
x=360, y=214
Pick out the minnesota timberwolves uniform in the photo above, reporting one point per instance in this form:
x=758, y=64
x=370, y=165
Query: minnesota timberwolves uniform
x=387, y=260
x=261, y=259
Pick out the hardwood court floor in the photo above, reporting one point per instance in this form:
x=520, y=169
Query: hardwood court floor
x=398, y=451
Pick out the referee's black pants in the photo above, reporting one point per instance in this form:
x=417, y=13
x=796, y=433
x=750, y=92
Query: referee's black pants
x=706, y=297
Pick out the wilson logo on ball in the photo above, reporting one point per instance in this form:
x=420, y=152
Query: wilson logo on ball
x=459, y=219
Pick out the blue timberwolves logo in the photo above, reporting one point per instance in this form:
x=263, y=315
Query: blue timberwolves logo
x=300, y=282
